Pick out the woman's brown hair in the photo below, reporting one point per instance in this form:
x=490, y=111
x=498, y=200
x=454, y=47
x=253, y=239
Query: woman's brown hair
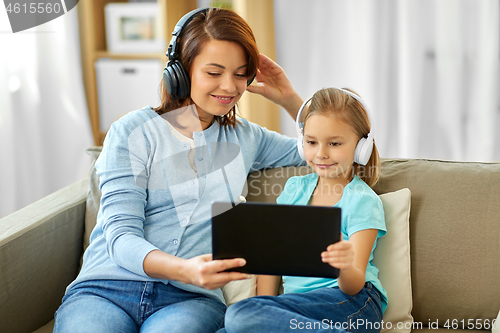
x=214, y=24
x=331, y=101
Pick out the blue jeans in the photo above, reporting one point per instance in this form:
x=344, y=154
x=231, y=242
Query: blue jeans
x=134, y=306
x=322, y=310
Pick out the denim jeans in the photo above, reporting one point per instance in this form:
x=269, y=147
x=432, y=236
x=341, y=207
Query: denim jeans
x=133, y=306
x=322, y=310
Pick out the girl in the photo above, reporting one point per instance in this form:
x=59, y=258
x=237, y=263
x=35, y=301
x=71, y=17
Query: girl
x=148, y=266
x=334, y=124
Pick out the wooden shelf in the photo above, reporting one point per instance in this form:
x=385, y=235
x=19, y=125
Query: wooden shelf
x=93, y=46
x=106, y=54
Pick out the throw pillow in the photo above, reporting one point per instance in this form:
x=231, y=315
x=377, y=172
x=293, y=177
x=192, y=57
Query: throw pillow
x=236, y=291
x=93, y=197
x=392, y=258
x=496, y=324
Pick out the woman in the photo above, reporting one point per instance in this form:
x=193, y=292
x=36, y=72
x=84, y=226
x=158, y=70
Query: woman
x=148, y=266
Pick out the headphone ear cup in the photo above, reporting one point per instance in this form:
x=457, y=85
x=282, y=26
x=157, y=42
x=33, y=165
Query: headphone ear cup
x=170, y=81
x=300, y=130
x=184, y=88
x=363, y=151
x=300, y=144
x=176, y=80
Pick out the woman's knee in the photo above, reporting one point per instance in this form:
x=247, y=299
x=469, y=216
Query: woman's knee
x=91, y=314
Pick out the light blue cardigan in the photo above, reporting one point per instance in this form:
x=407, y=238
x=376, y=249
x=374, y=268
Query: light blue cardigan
x=152, y=198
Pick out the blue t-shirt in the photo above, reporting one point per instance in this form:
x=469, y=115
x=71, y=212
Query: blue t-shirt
x=361, y=209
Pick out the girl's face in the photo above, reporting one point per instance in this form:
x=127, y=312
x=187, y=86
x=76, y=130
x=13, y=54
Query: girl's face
x=218, y=79
x=329, y=145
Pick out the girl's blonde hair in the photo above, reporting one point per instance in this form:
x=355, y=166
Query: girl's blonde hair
x=332, y=101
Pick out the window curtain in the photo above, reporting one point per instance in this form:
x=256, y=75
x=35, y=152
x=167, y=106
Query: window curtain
x=429, y=70
x=44, y=126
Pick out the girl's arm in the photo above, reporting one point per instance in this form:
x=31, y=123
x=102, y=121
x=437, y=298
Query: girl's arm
x=200, y=271
x=351, y=258
x=273, y=84
x=268, y=285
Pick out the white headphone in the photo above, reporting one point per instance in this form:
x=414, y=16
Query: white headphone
x=364, y=147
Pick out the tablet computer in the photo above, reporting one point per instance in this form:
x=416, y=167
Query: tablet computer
x=276, y=239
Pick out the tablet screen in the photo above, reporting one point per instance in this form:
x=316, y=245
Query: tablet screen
x=276, y=239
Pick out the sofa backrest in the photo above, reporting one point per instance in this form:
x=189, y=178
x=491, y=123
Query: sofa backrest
x=454, y=233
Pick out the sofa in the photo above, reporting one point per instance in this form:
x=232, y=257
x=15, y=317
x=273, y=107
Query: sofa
x=440, y=261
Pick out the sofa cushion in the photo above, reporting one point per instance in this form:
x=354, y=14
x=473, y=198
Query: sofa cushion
x=454, y=236
x=47, y=328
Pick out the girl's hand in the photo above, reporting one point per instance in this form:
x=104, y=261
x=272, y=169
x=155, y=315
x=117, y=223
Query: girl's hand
x=273, y=84
x=339, y=255
x=204, y=272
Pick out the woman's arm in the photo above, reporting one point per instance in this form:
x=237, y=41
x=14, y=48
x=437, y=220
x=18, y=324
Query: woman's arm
x=123, y=171
x=351, y=258
x=273, y=84
x=200, y=271
x=268, y=285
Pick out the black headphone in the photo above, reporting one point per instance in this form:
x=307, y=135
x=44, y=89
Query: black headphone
x=175, y=77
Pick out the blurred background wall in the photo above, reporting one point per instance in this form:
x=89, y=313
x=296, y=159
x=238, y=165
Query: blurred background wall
x=430, y=71
x=44, y=126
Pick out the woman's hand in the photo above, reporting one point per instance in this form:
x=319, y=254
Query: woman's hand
x=273, y=84
x=339, y=255
x=204, y=272
x=200, y=271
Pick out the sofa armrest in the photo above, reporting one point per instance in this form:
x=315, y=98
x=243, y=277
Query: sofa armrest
x=40, y=248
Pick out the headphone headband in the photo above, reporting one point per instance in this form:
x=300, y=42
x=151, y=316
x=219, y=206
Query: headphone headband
x=172, y=47
x=356, y=97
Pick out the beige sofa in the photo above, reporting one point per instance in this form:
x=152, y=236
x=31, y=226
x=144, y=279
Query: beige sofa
x=454, y=241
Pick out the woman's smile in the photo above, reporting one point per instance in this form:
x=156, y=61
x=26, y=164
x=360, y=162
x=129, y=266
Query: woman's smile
x=224, y=99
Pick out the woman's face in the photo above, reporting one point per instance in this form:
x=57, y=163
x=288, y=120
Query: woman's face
x=218, y=79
